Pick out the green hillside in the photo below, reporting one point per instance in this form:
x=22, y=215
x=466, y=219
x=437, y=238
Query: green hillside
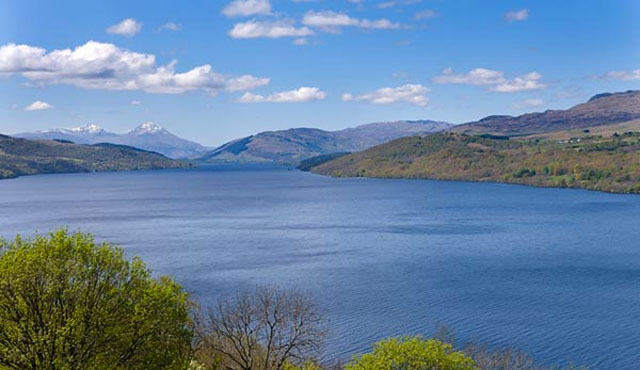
x=610, y=163
x=19, y=157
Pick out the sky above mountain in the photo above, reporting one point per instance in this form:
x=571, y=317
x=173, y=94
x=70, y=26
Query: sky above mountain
x=215, y=70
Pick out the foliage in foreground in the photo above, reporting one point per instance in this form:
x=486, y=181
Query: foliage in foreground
x=69, y=303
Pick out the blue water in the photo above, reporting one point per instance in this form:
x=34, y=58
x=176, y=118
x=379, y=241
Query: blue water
x=552, y=271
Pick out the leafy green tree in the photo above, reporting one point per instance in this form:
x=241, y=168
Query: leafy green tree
x=412, y=353
x=67, y=302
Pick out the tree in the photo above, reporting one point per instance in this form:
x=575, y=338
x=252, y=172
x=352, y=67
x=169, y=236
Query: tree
x=69, y=303
x=412, y=353
x=265, y=329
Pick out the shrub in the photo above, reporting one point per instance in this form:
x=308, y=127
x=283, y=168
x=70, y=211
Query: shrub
x=412, y=353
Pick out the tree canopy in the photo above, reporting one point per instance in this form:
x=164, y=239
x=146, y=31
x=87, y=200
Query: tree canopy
x=67, y=302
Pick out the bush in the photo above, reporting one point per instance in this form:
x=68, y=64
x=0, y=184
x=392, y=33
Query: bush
x=412, y=353
x=69, y=303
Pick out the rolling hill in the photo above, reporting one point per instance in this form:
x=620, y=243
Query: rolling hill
x=19, y=157
x=296, y=144
x=147, y=136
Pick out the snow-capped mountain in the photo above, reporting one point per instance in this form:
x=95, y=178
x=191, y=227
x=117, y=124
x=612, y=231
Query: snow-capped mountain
x=87, y=134
x=147, y=136
x=147, y=128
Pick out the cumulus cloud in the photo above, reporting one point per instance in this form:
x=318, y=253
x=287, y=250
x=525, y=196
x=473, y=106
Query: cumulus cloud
x=411, y=93
x=624, y=75
x=128, y=27
x=492, y=78
x=517, y=15
x=38, y=105
x=97, y=65
x=135, y=102
x=244, y=8
x=529, y=103
x=170, y=26
x=303, y=94
x=301, y=41
x=332, y=21
x=268, y=29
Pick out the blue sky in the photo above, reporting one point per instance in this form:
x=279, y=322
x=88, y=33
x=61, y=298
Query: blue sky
x=215, y=70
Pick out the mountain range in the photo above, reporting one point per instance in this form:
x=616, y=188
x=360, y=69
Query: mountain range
x=296, y=144
x=147, y=136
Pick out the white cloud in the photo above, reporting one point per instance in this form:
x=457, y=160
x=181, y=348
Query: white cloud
x=301, y=41
x=268, y=29
x=244, y=8
x=517, y=15
x=303, y=94
x=332, y=21
x=478, y=76
x=245, y=82
x=128, y=27
x=530, y=81
x=410, y=93
x=135, y=102
x=494, y=79
x=171, y=26
x=97, y=65
x=38, y=105
x=529, y=103
x=623, y=75
x=425, y=14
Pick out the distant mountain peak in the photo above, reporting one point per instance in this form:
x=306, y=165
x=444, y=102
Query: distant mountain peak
x=147, y=128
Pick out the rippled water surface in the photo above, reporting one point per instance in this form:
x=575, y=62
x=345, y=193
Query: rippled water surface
x=554, y=272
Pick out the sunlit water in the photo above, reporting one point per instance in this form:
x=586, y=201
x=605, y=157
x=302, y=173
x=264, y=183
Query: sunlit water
x=550, y=271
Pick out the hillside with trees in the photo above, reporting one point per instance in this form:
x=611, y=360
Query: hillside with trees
x=610, y=164
x=20, y=157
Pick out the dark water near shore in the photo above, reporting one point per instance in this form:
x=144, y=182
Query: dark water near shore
x=552, y=271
